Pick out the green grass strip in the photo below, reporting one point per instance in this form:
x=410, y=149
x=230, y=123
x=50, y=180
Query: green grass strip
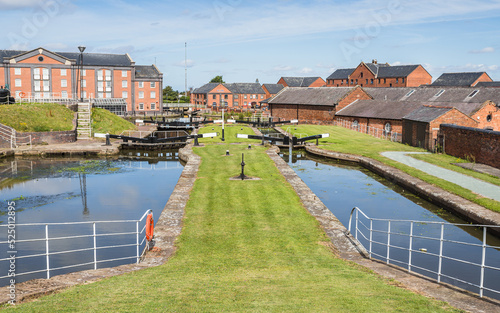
x=37, y=117
x=246, y=246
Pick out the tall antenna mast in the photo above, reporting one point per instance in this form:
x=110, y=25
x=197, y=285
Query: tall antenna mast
x=185, y=70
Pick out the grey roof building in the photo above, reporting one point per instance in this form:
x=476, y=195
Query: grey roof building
x=273, y=88
x=302, y=81
x=467, y=79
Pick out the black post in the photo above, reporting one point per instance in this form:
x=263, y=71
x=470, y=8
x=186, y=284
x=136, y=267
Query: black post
x=196, y=144
x=242, y=175
x=108, y=143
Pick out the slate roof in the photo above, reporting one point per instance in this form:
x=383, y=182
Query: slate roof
x=146, y=71
x=341, y=73
x=427, y=113
x=396, y=71
x=300, y=81
x=394, y=110
x=273, y=88
x=245, y=88
x=488, y=84
x=312, y=95
x=95, y=59
x=429, y=93
x=205, y=88
x=457, y=79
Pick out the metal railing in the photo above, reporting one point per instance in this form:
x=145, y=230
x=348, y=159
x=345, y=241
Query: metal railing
x=388, y=237
x=10, y=135
x=45, y=242
x=370, y=130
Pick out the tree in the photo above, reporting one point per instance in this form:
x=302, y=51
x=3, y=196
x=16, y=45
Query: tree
x=218, y=79
x=170, y=95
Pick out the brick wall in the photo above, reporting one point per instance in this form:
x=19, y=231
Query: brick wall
x=488, y=116
x=356, y=94
x=310, y=114
x=465, y=142
x=38, y=138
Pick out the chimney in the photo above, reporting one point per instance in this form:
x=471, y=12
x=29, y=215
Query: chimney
x=374, y=61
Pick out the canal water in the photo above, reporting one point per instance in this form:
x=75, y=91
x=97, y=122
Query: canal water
x=342, y=186
x=79, y=190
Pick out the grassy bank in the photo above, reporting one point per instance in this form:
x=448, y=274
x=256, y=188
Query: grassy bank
x=37, y=117
x=348, y=141
x=104, y=121
x=246, y=246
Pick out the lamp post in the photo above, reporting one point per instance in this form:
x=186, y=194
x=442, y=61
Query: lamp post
x=81, y=48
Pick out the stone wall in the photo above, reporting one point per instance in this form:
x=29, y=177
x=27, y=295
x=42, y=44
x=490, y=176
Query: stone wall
x=475, y=144
x=38, y=138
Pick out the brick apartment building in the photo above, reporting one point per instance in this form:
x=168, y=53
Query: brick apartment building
x=232, y=95
x=376, y=74
x=43, y=74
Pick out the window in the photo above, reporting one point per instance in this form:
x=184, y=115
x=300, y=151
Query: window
x=213, y=97
x=410, y=93
x=124, y=74
x=361, y=74
x=141, y=95
x=352, y=81
x=397, y=80
x=63, y=72
x=108, y=95
x=367, y=81
x=37, y=85
x=100, y=95
x=152, y=84
x=45, y=74
x=403, y=80
x=440, y=92
x=141, y=106
x=18, y=83
x=64, y=83
x=385, y=81
x=235, y=97
x=371, y=81
x=124, y=83
x=245, y=103
x=141, y=84
x=472, y=94
x=356, y=81
x=124, y=94
x=244, y=97
x=84, y=72
x=225, y=96
x=153, y=95
x=100, y=86
x=17, y=71
x=64, y=94
x=355, y=124
x=84, y=83
x=262, y=96
x=489, y=117
x=153, y=106
x=84, y=94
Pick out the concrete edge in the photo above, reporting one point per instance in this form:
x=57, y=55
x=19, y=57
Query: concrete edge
x=345, y=246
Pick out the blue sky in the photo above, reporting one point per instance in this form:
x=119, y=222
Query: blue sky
x=265, y=40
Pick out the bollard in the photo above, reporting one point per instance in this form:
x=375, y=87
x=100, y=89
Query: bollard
x=249, y=146
x=196, y=143
x=108, y=143
x=227, y=152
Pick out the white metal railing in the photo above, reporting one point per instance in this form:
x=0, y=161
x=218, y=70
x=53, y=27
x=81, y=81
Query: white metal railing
x=379, y=234
x=370, y=130
x=51, y=97
x=10, y=135
x=45, y=242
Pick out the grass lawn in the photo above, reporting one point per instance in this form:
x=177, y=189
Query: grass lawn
x=347, y=141
x=104, y=121
x=246, y=246
x=37, y=117
x=230, y=132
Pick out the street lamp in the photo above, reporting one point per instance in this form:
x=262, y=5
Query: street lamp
x=81, y=48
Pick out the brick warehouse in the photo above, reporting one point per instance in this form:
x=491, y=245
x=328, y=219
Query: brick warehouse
x=380, y=75
x=43, y=74
x=314, y=105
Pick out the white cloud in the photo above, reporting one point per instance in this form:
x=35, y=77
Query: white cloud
x=305, y=70
x=284, y=68
x=188, y=63
x=11, y=4
x=484, y=50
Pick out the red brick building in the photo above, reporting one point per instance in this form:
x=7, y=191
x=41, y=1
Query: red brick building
x=313, y=105
x=41, y=74
x=468, y=79
x=235, y=95
x=380, y=75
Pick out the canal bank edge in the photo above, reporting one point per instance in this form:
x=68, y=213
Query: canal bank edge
x=343, y=245
x=462, y=207
x=167, y=229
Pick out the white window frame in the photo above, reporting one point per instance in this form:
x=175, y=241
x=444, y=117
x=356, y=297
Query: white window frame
x=63, y=72
x=153, y=95
x=124, y=73
x=124, y=94
x=152, y=84
x=153, y=106
x=141, y=106
x=18, y=82
x=17, y=71
x=141, y=95
x=124, y=84
x=64, y=94
x=141, y=84
x=64, y=83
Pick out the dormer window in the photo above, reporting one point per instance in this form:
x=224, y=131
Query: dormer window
x=409, y=93
x=472, y=94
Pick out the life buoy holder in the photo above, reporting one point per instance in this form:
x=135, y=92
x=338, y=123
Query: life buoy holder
x=150, y=227
x=22, y=94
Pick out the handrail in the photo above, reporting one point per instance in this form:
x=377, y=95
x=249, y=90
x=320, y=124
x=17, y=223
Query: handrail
x=45, y=240
x=366, y=232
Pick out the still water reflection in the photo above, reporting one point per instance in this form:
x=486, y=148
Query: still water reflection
x=342, y=186
x=77, y=190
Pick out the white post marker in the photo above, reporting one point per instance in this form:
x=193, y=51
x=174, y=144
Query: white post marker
x=209, y=135
x=99, y=135
x=243, y=136
x=294, y=121
x=231, y=121
x=325, y=135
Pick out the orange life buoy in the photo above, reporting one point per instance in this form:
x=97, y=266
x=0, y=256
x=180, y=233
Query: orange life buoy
x=22, y=94
x=150, y=226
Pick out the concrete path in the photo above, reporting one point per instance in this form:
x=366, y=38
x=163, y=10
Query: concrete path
x=475, y=185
